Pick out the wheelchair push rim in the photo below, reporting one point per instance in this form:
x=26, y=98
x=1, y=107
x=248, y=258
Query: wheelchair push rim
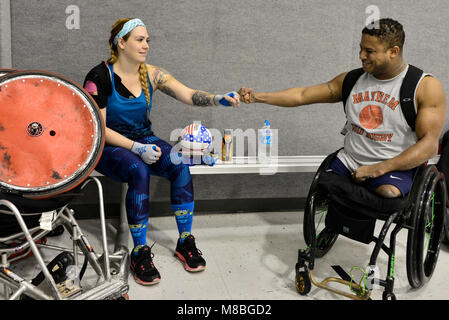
x=53, y=135
x=433, y=221
x=425, y=235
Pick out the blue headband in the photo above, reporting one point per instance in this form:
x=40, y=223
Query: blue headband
x=127, y=28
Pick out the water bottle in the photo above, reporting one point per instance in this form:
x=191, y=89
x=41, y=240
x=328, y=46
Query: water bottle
x=266, y=139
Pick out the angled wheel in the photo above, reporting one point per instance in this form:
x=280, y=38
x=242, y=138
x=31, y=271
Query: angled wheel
x=427, y=222
x=52, y=134
x=319, y=239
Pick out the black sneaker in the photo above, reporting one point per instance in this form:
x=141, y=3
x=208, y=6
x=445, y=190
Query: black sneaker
x=145, y=273
x=189, y=255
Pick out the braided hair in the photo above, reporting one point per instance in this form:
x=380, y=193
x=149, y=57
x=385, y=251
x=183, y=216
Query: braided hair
x=117, y=26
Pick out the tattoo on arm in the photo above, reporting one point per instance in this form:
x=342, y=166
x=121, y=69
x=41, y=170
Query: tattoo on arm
x=202, y=99
x=160, y=76
x=168, y=91
x=330, y=91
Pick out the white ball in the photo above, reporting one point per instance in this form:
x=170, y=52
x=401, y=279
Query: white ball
x=195, y=139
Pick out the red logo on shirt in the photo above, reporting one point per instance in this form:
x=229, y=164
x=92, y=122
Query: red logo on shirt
x=371, y=117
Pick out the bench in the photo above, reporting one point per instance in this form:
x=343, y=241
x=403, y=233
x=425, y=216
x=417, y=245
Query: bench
x=249, y=165
x=239, y=165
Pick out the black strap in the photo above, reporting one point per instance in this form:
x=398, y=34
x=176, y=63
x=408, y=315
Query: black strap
x=348, y=83
x=342, y=273
x=407, y=94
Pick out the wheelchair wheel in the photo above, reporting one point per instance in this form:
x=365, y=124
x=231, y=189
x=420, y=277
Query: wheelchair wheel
x=446, y=225
x=54, y=136
x=303, y=283
x=388, y=296
x=427, y=224
x=314, y=231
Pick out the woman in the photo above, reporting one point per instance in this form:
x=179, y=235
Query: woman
x=123, y=88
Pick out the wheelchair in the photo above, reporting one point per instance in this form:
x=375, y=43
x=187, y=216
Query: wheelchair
x=337, y=206
x=49, y=146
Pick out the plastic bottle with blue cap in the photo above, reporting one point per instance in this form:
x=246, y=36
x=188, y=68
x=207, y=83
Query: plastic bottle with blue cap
x=266, y=139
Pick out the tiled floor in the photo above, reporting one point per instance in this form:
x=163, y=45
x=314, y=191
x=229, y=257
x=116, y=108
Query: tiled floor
x=251, y=256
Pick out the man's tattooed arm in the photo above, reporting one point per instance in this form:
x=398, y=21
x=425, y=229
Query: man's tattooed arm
x=203, y=99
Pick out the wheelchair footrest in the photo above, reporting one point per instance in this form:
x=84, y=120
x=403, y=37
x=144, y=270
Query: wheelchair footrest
x=58, y=269
x=68, y=288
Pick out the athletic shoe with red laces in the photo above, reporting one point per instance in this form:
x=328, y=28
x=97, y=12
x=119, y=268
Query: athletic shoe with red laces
x=189, y=255
x=145, y=273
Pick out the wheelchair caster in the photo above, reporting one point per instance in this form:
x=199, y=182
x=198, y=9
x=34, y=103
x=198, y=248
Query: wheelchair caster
x=123, y=297
x=388, y=296
x=303, y=283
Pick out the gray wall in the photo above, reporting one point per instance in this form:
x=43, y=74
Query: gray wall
x=220, y=46
x=5, y=34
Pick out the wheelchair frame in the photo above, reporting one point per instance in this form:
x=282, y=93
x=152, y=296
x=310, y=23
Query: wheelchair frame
x=112, y=270
x=428, y=191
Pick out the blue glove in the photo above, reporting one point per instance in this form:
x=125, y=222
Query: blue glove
x=220, y=99
x=147, y=152
x=206, y=159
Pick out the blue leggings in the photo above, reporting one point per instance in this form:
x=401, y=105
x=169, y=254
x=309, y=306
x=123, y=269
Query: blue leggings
x=124, y=166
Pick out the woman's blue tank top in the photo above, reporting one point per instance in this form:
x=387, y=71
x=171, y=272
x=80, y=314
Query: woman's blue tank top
x=129, y=117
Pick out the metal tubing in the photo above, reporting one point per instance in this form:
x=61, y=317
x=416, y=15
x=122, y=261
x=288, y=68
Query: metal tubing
x=19, y=292
x=75, y=239
x=323, y=285
x=36, y=253
x=103, y=226
x=70, y=224
x=390, y=272
x=382, y=235
x=122, y=237
x=14, y=281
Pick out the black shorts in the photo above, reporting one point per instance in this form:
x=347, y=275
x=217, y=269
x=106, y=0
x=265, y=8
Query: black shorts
x=400, y=179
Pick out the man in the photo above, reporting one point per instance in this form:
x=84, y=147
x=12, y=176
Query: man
x=380, y=148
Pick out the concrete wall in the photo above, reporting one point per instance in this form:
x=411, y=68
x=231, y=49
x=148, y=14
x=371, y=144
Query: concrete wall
x=220, y=46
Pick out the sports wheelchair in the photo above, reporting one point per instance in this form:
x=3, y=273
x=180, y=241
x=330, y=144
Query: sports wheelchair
x=51, y=138
x=351, y=210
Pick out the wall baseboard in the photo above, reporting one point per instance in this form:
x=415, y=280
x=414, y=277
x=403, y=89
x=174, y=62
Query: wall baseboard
x=157, y=209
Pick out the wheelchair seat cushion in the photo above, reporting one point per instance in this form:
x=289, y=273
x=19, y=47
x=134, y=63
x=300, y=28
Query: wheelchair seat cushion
x=26, y=205
x=348, y=193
